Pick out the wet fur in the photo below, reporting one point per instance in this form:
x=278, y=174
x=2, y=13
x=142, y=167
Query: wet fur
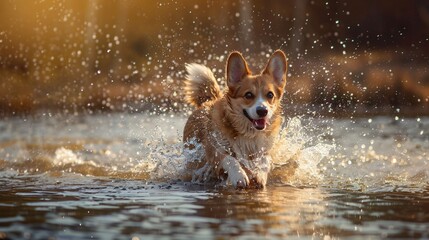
x=233, y=149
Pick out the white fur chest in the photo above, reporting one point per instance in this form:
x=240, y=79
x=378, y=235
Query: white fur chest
x=242, y=147
x=250, y=148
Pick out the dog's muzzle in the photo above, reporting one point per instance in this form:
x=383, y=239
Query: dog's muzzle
x=259, y=124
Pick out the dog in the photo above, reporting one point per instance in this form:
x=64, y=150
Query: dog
x=230, y=133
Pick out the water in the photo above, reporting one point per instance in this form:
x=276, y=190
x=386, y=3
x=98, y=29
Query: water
x=117, y=176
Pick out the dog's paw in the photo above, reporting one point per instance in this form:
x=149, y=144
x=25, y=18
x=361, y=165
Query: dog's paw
x=238, y=179
x=260, y=179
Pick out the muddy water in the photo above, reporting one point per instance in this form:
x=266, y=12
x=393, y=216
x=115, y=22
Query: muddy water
x=117, y=176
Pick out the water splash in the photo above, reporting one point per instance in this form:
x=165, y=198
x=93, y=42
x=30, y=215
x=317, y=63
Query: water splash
x=296, y=155
x=66, y=156
x=295, y=159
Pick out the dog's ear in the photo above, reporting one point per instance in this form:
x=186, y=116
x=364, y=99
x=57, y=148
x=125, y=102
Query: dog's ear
x=277, y=67
x=236, y=69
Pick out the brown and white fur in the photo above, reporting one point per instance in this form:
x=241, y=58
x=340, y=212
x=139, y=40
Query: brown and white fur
x=234, y=129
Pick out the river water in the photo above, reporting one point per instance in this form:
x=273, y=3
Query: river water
x=118, y=176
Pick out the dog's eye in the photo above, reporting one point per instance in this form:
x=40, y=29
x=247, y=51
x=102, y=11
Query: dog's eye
x=270, y=95
x=248, y=95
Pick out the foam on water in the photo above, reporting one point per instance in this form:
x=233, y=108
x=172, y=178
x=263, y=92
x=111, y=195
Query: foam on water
x=66, y=156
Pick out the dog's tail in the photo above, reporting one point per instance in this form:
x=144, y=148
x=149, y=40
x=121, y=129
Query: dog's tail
x=200, y=85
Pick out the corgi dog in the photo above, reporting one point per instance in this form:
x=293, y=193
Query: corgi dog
x=230, y=133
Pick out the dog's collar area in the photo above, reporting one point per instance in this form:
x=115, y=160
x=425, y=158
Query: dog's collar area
x=259, y=124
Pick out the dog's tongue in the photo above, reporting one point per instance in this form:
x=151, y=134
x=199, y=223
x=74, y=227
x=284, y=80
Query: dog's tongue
x=259, y=123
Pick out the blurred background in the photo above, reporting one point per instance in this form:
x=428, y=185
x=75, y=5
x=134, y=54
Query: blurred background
x=345, y=57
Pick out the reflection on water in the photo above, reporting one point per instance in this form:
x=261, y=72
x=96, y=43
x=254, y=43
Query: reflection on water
x=83, y=207
x=116, y=176
x=276, y=211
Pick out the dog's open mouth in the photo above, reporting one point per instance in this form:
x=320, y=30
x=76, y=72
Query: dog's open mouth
x=259, y=124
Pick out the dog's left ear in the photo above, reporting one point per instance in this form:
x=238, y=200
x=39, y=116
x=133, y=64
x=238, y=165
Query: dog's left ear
x=277, y=67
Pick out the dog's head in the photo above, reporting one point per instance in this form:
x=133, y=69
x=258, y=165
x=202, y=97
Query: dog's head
x=256, y=97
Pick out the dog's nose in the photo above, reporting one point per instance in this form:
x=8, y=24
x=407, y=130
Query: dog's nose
x=261, y=111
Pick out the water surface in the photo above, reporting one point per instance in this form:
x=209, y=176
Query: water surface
x=116, y=176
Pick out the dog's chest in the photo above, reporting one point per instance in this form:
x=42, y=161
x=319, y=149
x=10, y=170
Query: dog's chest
x=250, y=148
x=242, y=147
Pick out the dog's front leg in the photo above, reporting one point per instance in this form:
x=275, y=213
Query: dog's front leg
x=236, y=174
x=260, y=173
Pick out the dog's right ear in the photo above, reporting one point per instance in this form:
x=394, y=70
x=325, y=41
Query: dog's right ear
x=236, y=69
